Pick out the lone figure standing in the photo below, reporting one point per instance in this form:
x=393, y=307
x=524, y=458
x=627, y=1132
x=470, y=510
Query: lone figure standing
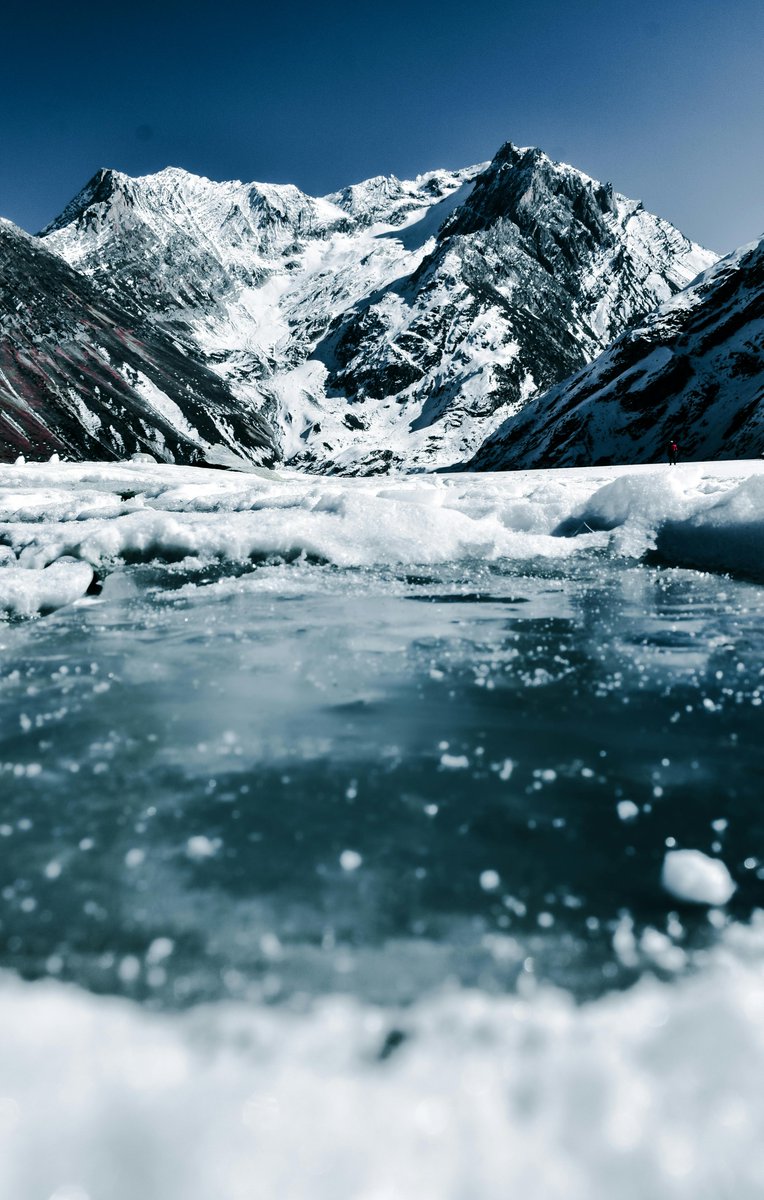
x=673, y=450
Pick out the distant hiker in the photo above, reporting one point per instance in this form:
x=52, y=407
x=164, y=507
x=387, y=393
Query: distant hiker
x=673, y=451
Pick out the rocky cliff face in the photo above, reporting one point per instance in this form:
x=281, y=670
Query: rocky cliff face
x=527, y=279
x=690, y=371
x=80, y=376
x=394, y=323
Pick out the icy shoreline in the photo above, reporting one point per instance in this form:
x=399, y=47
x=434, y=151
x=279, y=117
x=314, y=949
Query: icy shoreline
x=705, y=515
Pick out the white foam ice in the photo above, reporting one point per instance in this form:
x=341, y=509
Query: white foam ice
x=654, y=1092
x=696, y=514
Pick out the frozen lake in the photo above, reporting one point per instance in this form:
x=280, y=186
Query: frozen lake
x=342, y=808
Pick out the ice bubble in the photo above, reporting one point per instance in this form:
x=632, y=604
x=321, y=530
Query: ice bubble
x=135, y=857
x=624, y=942
x=454, y=762
x=693, y=876
x=489, y=880
x=627, y=810
x=660, y=948
x=53, y=870
x=271, y=946
x=129, y=969
x=350, y=860
x=506, y=769
x=160, y=949
x=200, y=847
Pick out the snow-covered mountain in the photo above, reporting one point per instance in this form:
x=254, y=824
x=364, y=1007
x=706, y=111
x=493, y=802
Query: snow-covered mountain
x=394, y=323
x=690, y=371
x=80, y=376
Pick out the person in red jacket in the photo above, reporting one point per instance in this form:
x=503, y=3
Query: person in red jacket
x=673, y=450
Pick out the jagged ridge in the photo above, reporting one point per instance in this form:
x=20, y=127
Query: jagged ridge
x=394, y=323
x=690, y=371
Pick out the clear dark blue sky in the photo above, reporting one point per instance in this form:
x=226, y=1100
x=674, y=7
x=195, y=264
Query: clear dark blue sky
x=665, y=98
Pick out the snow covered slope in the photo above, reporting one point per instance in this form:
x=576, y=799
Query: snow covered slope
x=80, y=376
x=692, y=370
x=394, y=323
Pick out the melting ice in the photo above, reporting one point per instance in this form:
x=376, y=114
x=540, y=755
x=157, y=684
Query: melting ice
x=339, y=824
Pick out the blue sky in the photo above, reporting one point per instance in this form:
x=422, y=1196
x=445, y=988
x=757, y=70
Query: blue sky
x=663, y=99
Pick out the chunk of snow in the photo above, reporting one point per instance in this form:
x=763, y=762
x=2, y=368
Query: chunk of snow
x=693, y=876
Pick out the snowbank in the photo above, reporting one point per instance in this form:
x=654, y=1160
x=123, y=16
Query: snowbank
x=655, y=1092
x=707, y=515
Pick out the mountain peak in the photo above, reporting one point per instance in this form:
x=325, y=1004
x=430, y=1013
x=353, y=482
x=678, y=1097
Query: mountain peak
x=99, y=189
x=396, y=321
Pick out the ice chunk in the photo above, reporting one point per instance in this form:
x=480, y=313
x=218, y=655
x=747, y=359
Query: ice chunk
x=693, y=876
x=200, y=847
x=489, y=880
x=454, y=762
x=350, y=860
x=25, y=593
x=627, y=810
